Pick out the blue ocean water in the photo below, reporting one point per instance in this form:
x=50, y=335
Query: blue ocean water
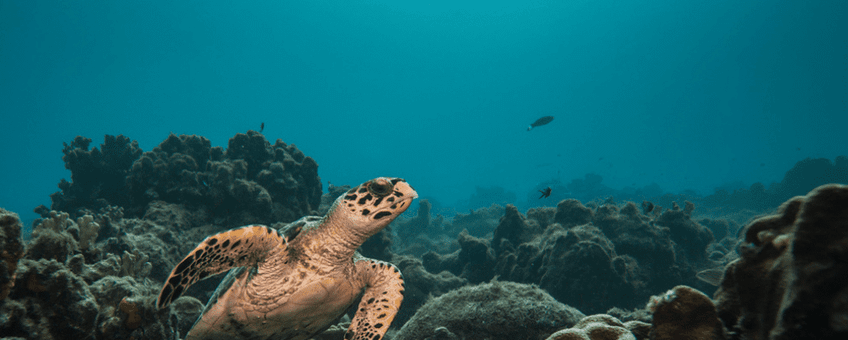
x=685, y=94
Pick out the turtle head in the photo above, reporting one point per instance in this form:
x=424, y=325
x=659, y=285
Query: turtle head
x=372, y=205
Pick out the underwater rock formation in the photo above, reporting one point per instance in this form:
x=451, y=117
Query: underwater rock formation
x=495, y=310
x=789, y=282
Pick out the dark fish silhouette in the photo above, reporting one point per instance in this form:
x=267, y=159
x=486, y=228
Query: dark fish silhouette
x=261, y=127
x=541, y=121
x=647, y=207
x=545, y=193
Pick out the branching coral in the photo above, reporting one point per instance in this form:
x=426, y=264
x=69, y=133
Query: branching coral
x=57, y=223
x=87, y=231
x=51, y=239
x=135, y=264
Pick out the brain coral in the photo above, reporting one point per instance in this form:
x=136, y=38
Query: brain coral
x=598, y=327
x=496, y=310
x=789, y=282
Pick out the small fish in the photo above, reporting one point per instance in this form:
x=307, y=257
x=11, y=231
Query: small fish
x=541, y=121
x=261, y=127
x=712, y=276
x=545, y=193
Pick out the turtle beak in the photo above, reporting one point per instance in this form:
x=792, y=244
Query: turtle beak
x=405, y=190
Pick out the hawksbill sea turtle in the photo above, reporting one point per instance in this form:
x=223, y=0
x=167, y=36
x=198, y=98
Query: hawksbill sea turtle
x=295, y=284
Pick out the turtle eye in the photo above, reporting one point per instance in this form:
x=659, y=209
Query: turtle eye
x=380, y=187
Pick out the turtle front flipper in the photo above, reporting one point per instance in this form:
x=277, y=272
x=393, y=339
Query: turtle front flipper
x=380, y=303
x=240, y=247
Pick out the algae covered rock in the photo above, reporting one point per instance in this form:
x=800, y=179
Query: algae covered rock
x=495, y=310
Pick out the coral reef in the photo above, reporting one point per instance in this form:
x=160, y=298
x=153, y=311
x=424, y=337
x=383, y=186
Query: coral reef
x=51, y=238
x=474, y=261
x=789, y=282
x=98, y=176
x=251, y=181
x=327, y=200
x=95, y=262
x=692, y=237
x=419, y=224
x=514, y=230
x=571, y=212
x=57, y=295
x=48, y=300
x=11, y=250
x=495, y=310
x=479, y=222
x=425, y=232
x=87, y=230
x=592, y=258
